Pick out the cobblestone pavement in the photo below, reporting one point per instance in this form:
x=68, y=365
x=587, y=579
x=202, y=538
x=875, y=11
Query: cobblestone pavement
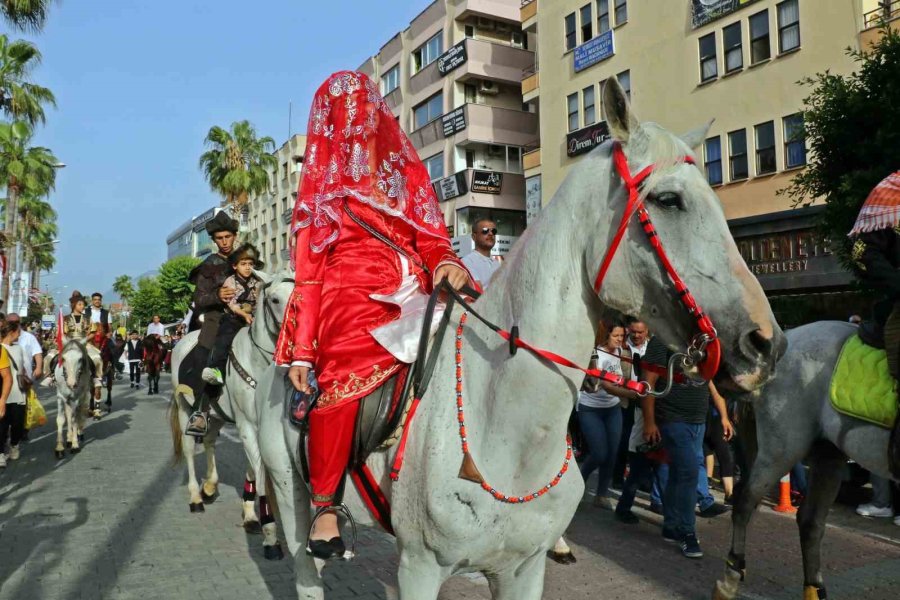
x=113, y=522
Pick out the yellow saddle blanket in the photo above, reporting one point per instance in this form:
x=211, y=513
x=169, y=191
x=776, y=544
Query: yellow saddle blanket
x=862, y=386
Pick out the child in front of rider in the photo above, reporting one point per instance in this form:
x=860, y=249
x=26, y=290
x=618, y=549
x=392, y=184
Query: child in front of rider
x=240, y=310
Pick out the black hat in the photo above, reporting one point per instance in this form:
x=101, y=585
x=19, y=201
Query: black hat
x=244, y=252
x=221, y=222
x=76, y=297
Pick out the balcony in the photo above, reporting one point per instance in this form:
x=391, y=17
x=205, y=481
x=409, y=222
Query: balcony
x=394, y=99
x=285, y=254
x=531, y=85
x=494, y=125
x=528, y=15
x=492, y=9
x=531, y=159
x=888, y=13
x=495, y=62
x=286, y=216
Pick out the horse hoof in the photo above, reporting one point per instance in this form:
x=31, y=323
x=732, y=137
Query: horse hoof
x=197, y=507
x=75, y=450
x=208, y=499
x=563, y=558
x=59, y=454
x=273, y=552
x=252, y=527
x=68, y=444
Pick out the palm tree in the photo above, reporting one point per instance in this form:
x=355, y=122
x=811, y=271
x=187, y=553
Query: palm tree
x=124, y=288
x=37, y=232
x=23, y=170
x=25, y=15
x=237, y=163
x=19, y=98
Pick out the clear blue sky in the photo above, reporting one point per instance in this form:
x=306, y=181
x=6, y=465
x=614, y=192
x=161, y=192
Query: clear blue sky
x=140, y=83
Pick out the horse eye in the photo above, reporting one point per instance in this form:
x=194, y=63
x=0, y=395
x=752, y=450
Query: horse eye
x=668, y=200
x=276, y=301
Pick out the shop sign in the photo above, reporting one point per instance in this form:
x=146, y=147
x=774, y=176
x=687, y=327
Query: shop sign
x=784, y=252
x=596, y=50
x=453, y=186
x=487, y=182
x=204, y=218
x=454, y=121
x=532, y=198
x=584, y=140
x=706, y=11
x=452, y=59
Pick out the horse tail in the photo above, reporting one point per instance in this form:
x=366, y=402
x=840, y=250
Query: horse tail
x=175, y=425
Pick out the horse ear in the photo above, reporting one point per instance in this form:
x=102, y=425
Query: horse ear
x=695, y=137
x=265, y=277
x=619, y=116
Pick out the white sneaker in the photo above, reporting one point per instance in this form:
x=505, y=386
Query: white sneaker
x=2, y=461
x=14, y=453
x=870, y=510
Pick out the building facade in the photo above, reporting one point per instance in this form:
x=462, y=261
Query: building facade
x=684, y=63
x=268, y=216
x=452, y=78
x=191, y=239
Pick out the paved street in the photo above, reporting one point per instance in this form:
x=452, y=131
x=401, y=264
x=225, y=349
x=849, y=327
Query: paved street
x=113, y=522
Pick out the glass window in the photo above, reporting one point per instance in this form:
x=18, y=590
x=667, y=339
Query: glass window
x=794, y=141
x=428, y=52
x=587, y=100
x=435, y=166
x=284, y=204
x=759, y=37
x=428, y=111
x=572, y=104
x=586, y=24
x=513, y=159
x=284, y=241
x=570, y=31
x=765, y=148
x=734, y=55
x=625, y=81
x=470, y=31
x=713, y=160
x=788, y=25
x=602, y=16
x=621, y=12
x=709, y=68
x=390, y=81
x=737, y=154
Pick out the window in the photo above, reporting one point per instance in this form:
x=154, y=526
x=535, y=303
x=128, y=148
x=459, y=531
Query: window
x=428, y=111
x=390, y=81
x=713, y=160
x=602, y=16
x=470, y=92
x=428, y=52
x=570, y=32
x=284, y=241
x=284, y=204
x=470, y=31
x=470, y=159
x=788, y=25
x=737, y=157
x=586, y=25
x=513, y=159
x=794, y=141
x=621, y=12
x=274, y=246
x=573, y=111
x=625, y=81
x=734, y=55
x=709, y=68
x=765, y=148
x=435, y=166
x=284, y=173
x=759, y=37
x=587, y=100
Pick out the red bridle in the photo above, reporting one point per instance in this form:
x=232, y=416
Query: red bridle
x=705, y=348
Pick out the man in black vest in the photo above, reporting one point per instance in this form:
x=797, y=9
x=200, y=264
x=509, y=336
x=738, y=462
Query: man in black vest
x=95, y=313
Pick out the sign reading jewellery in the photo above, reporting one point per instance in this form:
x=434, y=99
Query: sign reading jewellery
x=487, y=182
x=706, y=11
x=596, y=50
x=453, y=58
x=454, y=121
x=584, y=140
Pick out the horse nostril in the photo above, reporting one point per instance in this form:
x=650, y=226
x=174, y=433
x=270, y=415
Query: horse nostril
x=759, y=341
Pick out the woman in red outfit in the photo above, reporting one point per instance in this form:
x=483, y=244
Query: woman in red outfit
x=360, y=174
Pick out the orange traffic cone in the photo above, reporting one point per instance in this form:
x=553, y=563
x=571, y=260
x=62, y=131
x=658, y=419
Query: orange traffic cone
x=784, y=496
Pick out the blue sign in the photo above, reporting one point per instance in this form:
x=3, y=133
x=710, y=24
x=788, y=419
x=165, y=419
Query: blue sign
x=598, y=49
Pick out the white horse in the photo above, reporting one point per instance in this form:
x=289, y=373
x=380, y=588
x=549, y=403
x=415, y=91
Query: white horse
x=517, y=407
x=253, y=347
x=73, y=395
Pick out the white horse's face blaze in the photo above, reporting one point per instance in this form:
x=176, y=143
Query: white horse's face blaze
x=72, y=362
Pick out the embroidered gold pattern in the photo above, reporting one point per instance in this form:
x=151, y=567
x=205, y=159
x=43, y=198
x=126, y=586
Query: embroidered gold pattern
x=356, y=386
x=859, y=248
x=319, y=282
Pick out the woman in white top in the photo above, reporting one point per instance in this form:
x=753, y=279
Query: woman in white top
x=599, y=413
x=13, y=423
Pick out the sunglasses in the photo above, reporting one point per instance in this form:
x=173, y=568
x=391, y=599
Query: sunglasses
x=487, y=230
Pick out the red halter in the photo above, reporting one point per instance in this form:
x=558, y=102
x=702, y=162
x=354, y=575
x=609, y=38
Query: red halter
x=705, y=348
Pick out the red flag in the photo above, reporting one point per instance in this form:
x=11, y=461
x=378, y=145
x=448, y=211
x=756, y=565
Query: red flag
x=59, y=331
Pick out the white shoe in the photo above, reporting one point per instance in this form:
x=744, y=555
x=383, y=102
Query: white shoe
x=2, y=461
x=870, y=510
x=897, y=520
x=14, y=453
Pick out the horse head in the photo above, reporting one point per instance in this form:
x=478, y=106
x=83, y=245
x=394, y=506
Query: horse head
x=691, y=226
x=273, y=300
x=74, y=361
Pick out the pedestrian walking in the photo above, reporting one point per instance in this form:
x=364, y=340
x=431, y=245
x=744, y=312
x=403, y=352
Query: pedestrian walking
x=134, y=351
x=480, y=263
x=12, y=398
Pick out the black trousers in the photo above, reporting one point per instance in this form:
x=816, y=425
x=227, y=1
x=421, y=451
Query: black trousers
x=229, y=327
x=134, y=371
x=12, y=425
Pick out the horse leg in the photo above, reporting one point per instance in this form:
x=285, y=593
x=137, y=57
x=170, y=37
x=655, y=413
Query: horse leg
x=824, y=484
x=420, y=577
x=248, y=509
x=60, y=423
x=210, y=489
x=190, y=443
x=526, y=582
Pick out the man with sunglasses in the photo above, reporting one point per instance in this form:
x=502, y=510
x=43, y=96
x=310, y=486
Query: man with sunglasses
x=480, y=262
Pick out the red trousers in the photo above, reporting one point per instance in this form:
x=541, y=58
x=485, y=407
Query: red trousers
x=330, y=437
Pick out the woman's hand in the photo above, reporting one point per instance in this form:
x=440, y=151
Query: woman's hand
x=299, y=377
x=727, y=429
x=651, y=433
x=454, y=275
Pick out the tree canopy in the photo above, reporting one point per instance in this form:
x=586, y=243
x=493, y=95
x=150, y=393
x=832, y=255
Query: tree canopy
x=149, y=299
x=237, y=163
x=173, y=279
x=19, y=97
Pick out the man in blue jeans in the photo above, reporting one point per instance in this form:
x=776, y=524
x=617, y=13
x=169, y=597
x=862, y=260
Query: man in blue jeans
x=679, y=420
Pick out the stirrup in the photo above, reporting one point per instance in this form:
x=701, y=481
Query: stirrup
x=195, y=431
x=349, y=553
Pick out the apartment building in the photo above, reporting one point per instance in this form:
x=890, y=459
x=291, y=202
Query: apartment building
x=191, y=238
x=268, y=216
x=683, y=63
x=452, y=78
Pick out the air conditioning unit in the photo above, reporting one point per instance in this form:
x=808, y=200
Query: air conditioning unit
x=503, y=27
x=485, y=24
x=495, y=151
x=488, y=88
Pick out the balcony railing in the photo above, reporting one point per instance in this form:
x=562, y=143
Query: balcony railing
x=528, y=10
x=527, y=2
x=887, y=11
x=286, y=216
x=285, y=254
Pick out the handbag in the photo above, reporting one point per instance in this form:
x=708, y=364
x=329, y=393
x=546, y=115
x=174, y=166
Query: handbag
x=35, y=415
